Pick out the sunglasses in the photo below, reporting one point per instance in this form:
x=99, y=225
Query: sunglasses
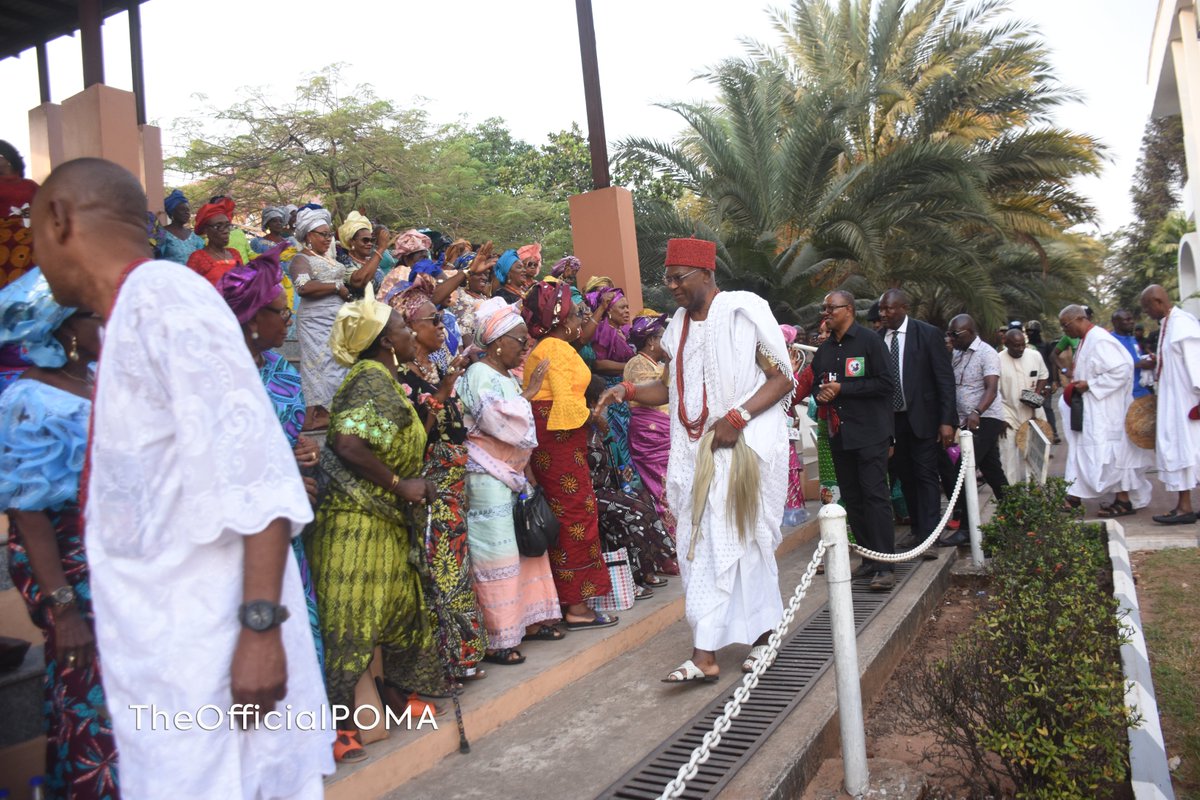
x=366, y=240
x=675, y=280
x=954, y=334
x=436, y=319
x=831, y=309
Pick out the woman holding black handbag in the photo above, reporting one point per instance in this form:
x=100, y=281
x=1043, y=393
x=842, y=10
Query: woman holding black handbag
x=516, y=593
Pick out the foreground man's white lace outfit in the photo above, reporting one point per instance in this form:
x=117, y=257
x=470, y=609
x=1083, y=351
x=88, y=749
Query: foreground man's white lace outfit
x=187, y=457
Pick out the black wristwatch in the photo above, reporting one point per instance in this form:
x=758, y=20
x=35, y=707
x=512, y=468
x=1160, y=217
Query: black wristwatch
x=261, y=615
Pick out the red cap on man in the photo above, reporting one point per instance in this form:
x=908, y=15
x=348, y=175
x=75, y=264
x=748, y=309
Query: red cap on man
x=696, y=253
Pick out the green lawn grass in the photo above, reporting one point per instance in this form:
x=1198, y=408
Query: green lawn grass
x=1169, y=594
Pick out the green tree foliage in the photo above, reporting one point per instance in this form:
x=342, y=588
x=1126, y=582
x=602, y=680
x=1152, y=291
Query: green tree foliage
x=1147, y=251
x=884, y=143
x=347, y=149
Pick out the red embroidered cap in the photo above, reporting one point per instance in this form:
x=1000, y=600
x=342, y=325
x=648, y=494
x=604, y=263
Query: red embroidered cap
x=696, y=253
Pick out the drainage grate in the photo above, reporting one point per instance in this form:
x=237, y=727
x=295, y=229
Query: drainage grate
x=804, y=657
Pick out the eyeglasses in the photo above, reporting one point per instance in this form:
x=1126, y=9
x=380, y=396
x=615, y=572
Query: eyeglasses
x=521, y=340
x=284, y=313
x=678, y=278
x=322, y=234
x=220, y=227
x=831, y=309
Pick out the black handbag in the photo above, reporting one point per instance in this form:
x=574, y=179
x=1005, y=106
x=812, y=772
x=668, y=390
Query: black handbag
x=1076, y=406
x=535, y=524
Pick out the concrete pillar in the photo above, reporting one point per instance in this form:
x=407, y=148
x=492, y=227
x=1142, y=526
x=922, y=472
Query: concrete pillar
x=605, y=239
x=101, y=122
x=45, y=140
x=151, y=173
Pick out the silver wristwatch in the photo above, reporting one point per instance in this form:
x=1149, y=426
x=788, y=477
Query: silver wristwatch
x=743, y=413
x=262, y=615
x=63, y=596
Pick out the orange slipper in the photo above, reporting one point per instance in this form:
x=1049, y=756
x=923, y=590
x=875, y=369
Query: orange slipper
x=347, y=747
x=417, y=706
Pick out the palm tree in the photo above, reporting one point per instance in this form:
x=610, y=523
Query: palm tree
x=884, y=143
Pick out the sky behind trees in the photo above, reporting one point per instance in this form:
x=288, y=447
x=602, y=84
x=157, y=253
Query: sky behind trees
x=473, y=60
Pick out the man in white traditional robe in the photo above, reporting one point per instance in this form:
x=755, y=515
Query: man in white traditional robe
x=192, y=497
x=729, y=382
x=1020, y=369
x=1177, y=381
x=1100, y=457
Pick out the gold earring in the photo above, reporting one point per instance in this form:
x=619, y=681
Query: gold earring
x=73, y=353
x=395, y=360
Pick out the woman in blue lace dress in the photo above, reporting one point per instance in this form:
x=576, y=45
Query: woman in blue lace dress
x=43, y=443
x=178, y=240
x=255, y=294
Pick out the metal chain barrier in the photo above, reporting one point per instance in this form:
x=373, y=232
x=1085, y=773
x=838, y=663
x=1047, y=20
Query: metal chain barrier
x=933, y=537
x=721, y=724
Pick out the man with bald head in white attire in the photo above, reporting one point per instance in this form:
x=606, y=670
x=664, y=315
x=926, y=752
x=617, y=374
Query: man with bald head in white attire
x=1177, y=381
x=190, y=497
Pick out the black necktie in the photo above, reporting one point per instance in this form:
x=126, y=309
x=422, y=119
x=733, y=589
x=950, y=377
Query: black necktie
x=897, y=389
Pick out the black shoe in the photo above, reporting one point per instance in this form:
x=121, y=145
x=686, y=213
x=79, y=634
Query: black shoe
x=1175, y=518
x=954, y=540
x=864, y=570
x=883, y=582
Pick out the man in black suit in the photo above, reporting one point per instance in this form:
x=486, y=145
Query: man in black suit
x=855, y=387
x=924, y=407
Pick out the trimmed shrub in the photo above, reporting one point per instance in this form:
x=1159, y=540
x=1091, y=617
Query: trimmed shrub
x=1031, y=700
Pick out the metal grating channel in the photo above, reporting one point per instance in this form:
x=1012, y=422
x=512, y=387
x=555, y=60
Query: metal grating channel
x=804, y=657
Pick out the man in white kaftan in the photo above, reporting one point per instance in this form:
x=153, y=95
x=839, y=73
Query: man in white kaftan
x=1101, y=459
x=190, y=477
x=1020, y=369
x=730, y=378
x=1177, y=443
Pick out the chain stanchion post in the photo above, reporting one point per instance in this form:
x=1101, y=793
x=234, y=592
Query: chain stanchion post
x=966, y=443
x=845, y=648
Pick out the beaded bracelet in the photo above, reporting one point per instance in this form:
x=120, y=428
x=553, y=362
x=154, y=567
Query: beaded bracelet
x=735, y=419
x=630, y=391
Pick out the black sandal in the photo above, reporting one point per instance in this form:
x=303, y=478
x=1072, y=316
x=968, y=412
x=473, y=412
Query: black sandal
x=546, y=633
x=1119, y=508
x=508, y=657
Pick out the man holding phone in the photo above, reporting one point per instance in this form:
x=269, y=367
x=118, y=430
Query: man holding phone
x=856, y=385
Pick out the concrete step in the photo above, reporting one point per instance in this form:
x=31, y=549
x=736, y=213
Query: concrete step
x=563, y=691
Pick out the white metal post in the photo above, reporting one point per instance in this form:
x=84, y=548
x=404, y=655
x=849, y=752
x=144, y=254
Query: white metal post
x=845, y=648
x=966, y=443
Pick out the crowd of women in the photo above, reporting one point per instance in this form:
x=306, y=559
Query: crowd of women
x=446, y=381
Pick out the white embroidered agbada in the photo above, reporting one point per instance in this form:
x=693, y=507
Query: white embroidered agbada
x=187, y=457
x=1101, y=459
x=731, y=586
x=1015, y=376
x=1177, y=446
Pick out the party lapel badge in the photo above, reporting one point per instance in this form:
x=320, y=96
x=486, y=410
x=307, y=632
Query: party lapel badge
x=856, y=367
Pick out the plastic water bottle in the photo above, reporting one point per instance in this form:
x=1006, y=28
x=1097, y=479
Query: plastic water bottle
x=627, y=487
x=37, y=788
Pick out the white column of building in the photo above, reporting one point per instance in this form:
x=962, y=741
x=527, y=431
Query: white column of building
x=1185, y=55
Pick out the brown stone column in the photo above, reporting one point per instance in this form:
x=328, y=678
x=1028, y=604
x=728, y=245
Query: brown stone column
x=605, y=239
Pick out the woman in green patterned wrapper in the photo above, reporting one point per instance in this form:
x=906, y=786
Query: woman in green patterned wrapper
x=366, y=542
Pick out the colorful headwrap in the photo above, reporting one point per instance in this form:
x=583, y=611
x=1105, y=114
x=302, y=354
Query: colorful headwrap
x=222, y=207
x=545, y=306
x=597, y=282
x=354, y=223
x=275, y=212
x=507, y=259
x=530, y=251
x=289, y=209
x=173, y=201
x=408, y=300
x=309, y=219
x=696, y=253
x=29, y=317
x=355, y=327
x=410, y=242
x=789, y=333
x=464, y=261
x=456, y=250
x=645, y=328
x=248, y=288
x=593, y=298
x=565, y=263
x=425, y=267
x=494, y=317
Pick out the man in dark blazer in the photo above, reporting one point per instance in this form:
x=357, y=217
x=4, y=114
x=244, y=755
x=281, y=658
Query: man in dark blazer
x=924, y=406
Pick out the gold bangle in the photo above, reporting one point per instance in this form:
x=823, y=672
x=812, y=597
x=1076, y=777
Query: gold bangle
x=395, y=483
